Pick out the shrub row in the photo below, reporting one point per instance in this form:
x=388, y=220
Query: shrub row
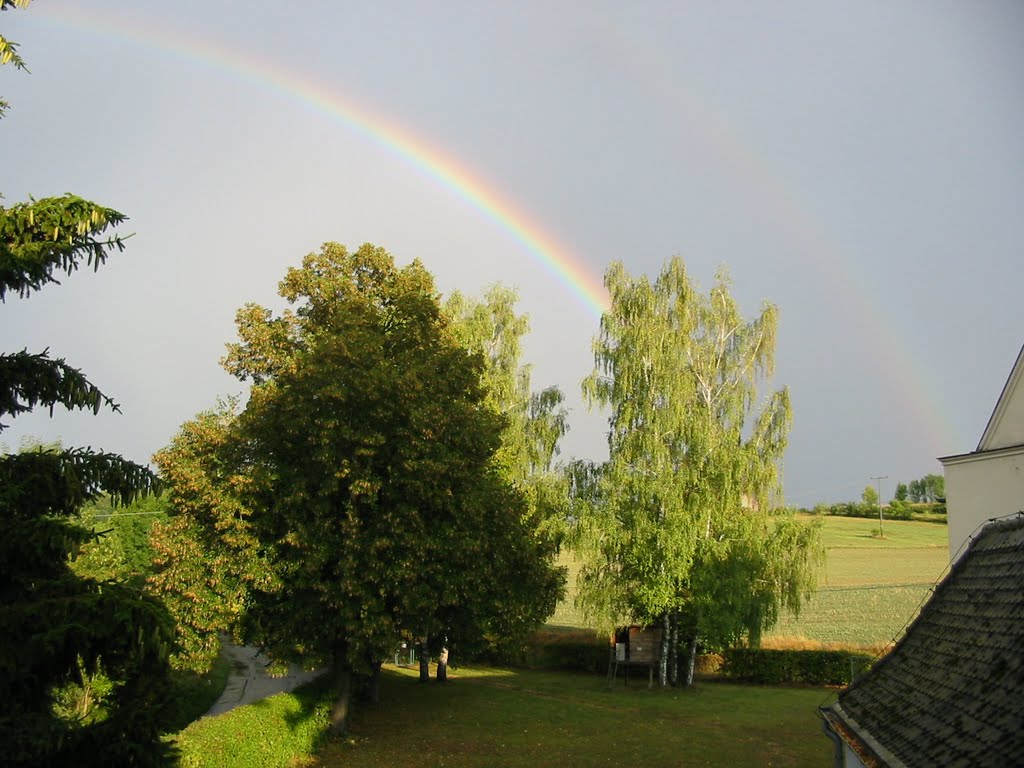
x=895, y=510
x=574, y=655
x=580, y=651
x=770, y=667
x=583, y=652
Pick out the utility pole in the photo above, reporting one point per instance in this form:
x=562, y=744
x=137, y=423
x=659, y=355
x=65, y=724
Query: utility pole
x=879, y=479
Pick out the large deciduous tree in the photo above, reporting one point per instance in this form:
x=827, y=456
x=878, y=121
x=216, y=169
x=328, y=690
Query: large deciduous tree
x=204, y=555
x=360, y=476
x=58, y=628
x=674, y=529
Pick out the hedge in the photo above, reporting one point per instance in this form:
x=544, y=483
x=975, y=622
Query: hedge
x=771, y=667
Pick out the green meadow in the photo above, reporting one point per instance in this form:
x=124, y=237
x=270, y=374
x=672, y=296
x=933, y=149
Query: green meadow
x=521, y=718
x=870, y=586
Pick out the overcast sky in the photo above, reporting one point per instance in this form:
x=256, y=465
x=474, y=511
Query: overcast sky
x=858, y=164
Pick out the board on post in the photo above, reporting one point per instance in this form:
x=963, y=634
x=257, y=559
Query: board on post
x=634, y=646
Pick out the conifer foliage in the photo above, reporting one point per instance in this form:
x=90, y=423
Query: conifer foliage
x=55, y=627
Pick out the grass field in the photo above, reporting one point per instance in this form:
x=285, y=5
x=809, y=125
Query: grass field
x=501, y=718
x=870, y=587
x=899, y=534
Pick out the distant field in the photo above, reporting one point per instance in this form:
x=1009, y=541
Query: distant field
x=899, y=534
x=870, y=588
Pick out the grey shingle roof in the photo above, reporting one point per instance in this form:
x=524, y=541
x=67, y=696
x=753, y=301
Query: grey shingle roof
x=951, y=693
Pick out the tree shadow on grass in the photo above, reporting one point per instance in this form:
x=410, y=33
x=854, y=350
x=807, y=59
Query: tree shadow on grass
x=312, y=713
x=191, y=695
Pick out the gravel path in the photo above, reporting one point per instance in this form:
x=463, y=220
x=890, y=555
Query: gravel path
x=249, y=680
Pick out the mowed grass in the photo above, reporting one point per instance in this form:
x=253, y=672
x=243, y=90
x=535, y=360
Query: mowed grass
x=282, y=730
x=870, y=587
x=899, y=534
x=490, y=717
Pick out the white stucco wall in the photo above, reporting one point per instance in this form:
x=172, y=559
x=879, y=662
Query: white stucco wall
x=980, y=486
x=1006, y=428
x=1010, y=429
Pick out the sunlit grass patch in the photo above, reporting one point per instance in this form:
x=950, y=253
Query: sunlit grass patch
x=539, y=718
x=282, y=730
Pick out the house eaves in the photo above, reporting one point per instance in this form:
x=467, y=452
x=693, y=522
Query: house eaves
x=865, y=746
x=964, y=458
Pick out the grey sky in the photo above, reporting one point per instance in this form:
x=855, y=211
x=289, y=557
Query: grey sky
x=860, y=165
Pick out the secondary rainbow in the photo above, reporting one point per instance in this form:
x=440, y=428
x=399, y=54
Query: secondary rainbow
x=821, y=252
x=830, y=262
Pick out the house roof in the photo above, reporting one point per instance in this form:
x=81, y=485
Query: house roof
x=952, y=690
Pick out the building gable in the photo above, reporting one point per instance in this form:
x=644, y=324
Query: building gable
x=1006, y=425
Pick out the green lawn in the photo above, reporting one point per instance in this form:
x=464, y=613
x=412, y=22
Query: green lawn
x=870, y=587
x=488, y=717
x=899, y=534
x=282, y=730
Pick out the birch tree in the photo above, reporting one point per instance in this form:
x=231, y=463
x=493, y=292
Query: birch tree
x=674, y=528
x=534, y=422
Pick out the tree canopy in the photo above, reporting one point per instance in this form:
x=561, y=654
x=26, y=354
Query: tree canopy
x=930, y=488
x=673, y=528
x=535, y=422
x=360, y=476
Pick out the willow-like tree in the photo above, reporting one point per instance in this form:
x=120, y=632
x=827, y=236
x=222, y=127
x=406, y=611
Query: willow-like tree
x=674, y=529
x=534, y=422
x=57, y=628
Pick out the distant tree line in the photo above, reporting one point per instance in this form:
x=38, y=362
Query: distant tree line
x=918, y=497
x=930, y=489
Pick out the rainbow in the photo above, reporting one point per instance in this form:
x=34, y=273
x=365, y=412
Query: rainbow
x=833, y=267
x=431, y=161
x=821, y=253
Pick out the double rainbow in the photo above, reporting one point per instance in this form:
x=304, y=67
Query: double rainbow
x=821, y=253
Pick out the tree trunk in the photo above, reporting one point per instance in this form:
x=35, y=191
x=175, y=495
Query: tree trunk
x=424, y=658
x=442, y=665
x=673, y=648
x=663, y=655
x=372, y=693
x=691, y=659
x=342, y=672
